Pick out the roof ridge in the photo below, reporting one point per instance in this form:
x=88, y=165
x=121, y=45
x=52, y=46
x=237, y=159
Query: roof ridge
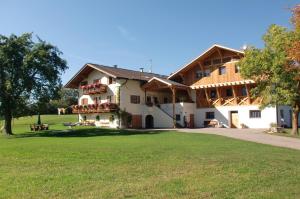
x=112, y=67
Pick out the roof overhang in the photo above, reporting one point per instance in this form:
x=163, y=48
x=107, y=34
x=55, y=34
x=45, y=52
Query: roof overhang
x=243, y=82
x=82, y=74
x=160, y=84
x=203, y=55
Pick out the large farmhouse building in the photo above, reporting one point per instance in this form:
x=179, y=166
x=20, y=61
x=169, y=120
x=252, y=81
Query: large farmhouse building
x=208, y=91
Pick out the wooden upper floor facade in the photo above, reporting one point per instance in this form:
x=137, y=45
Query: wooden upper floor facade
x=215, y=76
x=216, y=65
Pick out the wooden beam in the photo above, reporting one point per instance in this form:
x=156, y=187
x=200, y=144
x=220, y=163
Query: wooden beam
x=248, y=94
x=206, y=94
x=174, y=101
x=219, y=96
x=234, y=95
x=221, y=56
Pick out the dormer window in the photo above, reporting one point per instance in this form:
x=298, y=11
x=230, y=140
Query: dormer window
x=222, y=70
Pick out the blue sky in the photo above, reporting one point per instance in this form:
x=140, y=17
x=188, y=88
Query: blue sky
x=131, y=32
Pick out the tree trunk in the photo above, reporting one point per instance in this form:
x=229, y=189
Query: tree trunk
x=7, y=124
x=295, y=120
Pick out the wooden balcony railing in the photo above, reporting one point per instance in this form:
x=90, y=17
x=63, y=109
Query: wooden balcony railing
x=95, y=108
x=228, y=101
x=93, y=89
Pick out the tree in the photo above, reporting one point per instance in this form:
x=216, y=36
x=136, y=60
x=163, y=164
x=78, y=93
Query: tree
x=275, y=69
x=29, y=71
x=67, y=98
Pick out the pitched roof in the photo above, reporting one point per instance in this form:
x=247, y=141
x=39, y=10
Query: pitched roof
x=114, y=72
x=213, y=47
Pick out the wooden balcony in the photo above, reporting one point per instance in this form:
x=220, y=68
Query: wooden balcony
x=227, y=101
x=95, y=108
x=93, y=89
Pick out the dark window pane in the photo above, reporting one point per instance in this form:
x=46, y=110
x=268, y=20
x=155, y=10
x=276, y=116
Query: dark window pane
x=210, y=115
x=222, y=70
x=255, y=114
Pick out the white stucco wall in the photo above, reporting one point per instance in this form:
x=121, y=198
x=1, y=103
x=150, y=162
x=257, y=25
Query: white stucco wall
x=160, y=119
x=104, y=119
x=182, y=108
x=222, y=114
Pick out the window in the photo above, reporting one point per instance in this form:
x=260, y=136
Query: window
x=228, y=92
x=135, y=99
x=198, y=74
x=244, y=91
x=213, y=94
x=255, y=114
x=110, y=80
x=177, y=117
x=207, y=63
x=210, y=115
x=222, y=70
x=206, y=73
x=237, y=68
x=216, y=61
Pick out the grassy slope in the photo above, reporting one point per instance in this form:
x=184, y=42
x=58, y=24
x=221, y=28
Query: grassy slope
x=99, y=163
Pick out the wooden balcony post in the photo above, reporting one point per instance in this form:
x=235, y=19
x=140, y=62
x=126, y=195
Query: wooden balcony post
x=248, y=94
x=207, y=97
x=219, y=96
x=234, y=95
x=174, y=101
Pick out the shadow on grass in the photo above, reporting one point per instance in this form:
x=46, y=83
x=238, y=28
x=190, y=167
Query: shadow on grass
x=86, y=132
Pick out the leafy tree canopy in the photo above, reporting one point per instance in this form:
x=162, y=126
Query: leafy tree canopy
x=276, y=67
x=29, y=71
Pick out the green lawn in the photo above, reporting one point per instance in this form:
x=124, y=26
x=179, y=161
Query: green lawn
x=102, y=163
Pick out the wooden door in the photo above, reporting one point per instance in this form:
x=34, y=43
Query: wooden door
x=234, y=119
x=192, y=125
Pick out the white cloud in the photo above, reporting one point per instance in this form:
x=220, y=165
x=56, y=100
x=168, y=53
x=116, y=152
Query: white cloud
x=125, y=33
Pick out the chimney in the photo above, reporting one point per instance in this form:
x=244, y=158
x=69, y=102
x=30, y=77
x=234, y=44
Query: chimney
x=115, y=66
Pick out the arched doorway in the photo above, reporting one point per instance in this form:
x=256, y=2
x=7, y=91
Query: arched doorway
x=149, y=121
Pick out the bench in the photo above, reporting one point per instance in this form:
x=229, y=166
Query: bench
x=36, y=127
x=211, y=123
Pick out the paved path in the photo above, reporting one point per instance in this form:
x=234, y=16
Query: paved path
x=253, y=135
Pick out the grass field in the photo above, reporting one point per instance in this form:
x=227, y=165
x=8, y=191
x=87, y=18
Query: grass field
x=102, y=163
